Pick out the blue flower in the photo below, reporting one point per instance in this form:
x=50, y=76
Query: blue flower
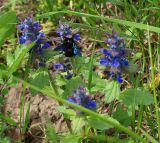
x=46, y=45
x=58, y=66
x=76, y=37
x=104, y=61
x=31, y=33
x=115, y=56
x=66, y=68
x=92, y=104
x=69, y=38
x=64, y=30
x=80, y=97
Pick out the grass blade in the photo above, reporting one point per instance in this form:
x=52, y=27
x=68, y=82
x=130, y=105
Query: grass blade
x=105, y=18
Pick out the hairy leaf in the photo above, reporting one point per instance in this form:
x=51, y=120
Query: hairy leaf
x=111, y=89
x=40, y=78
x=136, y=96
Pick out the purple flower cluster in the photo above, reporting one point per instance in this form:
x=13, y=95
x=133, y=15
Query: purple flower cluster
x=66, y=67
x=115, y=57
x=69, y=40
x=31, y=33
x=81, y=98
x=65, y=31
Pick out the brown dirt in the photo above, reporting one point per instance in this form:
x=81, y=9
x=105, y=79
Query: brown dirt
x=42, y=110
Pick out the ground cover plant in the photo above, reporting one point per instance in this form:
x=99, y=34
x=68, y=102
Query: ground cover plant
x=79, y=71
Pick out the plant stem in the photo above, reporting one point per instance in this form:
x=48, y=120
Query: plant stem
x=53, y=84
x=23, y=95
x=57, y=94
x=111, y=108
x=91, y=66
x=153, y=85
x=140, y=116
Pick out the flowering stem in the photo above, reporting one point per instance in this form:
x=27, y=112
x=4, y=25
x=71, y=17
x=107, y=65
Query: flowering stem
x=23, y=96
x=53, y=84
x=57, y=94
x=73, y=65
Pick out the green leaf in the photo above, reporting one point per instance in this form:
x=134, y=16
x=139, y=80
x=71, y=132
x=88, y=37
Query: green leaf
x=77, y=124
x=131, y=68
x=9, y=59
x=3, y=69
x=137, y=56
x=50, y=4
x=67, y=113
x=7, y=25
x=98, y=124
x=78, y=63
x=122, y=116
x=136, y=96
x=72, y=85
x=49, y=54
x=8, y=120
x=71, y=139
x=40, y=78
x=1, y=101
x=60, y=80
x=51, y=133
x=24, y=49
x=111, y=89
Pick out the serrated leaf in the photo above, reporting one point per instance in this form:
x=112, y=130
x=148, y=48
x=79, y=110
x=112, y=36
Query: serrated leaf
x=7, y=25
x=60, y=80
x=77, y=124
x=40, y=78
x=136, y=96
x=98, y=124
x=111, y=89
x=72, y=85
x=79, y=63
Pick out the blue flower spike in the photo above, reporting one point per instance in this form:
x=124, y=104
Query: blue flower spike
x=80, y=97
x=31, y=32
x=115, y=56
x=69, y=37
